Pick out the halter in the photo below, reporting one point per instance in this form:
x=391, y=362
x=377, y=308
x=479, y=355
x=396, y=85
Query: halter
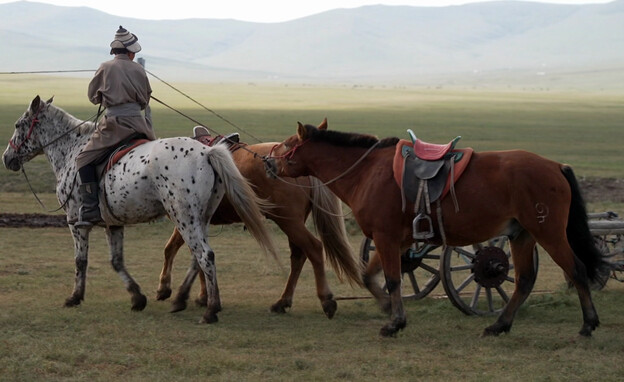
x=30, y=131
x=288, y=154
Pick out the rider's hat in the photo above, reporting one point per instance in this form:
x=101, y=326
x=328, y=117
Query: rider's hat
x=125, y=39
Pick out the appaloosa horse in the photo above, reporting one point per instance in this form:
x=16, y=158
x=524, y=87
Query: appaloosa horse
x=293, y=199
x=513, y=193
x=178, y=177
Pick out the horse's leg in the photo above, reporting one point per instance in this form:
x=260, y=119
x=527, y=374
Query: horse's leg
x=297, y=260
x=304, y=245
x=81, y=251
x=115, y=234
x=522, y=248
x=194, y=232
x=171, y=249
x=388, y=250
x=372, y=270
x=564, y=256
x=179, y=302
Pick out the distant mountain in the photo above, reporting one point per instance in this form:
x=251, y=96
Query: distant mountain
x=411, y=45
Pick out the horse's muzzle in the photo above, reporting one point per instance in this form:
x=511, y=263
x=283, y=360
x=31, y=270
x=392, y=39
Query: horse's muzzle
x=270, y=167
x=11, y=163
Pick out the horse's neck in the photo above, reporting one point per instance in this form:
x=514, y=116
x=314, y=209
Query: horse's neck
x=338, y=168
x=66, y=137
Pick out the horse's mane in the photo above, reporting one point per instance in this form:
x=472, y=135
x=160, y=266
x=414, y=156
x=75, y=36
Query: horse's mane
x=340, y=138
x=63, y=117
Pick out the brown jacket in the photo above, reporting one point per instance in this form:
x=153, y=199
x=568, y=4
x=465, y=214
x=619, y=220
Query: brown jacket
x=117, y=82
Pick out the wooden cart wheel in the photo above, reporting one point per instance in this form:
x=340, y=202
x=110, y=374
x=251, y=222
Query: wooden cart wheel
x=479, y=279
x=423, y=273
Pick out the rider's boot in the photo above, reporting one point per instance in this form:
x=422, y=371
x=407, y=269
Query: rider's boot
x=89, y=212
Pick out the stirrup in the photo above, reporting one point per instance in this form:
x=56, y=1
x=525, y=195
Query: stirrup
x=422, y=235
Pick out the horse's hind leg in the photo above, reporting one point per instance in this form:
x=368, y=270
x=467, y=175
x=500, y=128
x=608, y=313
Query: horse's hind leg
x=564, y=256
x=179, y=302
x=81, y=250
x=522, y=248
x=171, y=249
x=304, y=245
x=114, y=235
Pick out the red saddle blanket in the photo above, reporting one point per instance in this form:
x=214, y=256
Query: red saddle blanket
x=117, y=155
x=460, y=165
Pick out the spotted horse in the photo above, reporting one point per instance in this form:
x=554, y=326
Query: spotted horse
x=178, y=177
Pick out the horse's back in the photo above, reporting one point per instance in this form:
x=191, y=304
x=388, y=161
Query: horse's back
x=156, y=176
x=500, y=187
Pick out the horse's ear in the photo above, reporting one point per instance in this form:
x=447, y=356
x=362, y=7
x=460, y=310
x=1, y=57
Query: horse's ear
x=323, y=125
x=35, y=104
x=301, y=131
x=50, y=100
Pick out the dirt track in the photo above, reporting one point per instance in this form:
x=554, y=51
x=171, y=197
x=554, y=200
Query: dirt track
x=594, y=190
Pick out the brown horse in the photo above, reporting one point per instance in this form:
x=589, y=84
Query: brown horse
x=293, y=200
x=513, y=193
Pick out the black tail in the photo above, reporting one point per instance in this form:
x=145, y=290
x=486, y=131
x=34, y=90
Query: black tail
x=579, y=235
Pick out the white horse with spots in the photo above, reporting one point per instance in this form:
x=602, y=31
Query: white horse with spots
x=163, y=177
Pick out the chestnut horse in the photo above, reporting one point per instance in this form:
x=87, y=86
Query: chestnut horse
x=293, y=201
x=514, y=193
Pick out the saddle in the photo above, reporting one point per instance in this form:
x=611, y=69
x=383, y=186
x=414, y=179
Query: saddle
x=232, y=141
x=426, y=173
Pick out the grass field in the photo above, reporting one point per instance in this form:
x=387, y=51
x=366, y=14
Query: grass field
x=103, y=340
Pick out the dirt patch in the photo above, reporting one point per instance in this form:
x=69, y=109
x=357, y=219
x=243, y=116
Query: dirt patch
x=32, y=220
x=602, y=190
x=594, y=190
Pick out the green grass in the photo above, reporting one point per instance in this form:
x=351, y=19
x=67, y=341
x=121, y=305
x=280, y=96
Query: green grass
x=103, y=340
x=581, y=129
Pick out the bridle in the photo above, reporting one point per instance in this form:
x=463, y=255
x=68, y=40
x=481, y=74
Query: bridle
x=16, y=148
x=288, y=154
x=29, y=134
x=34, y=121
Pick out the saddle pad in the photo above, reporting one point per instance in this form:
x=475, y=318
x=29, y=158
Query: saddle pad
x=123, y=151
x=460, y=166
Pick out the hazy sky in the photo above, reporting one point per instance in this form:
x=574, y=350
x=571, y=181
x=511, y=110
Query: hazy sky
x=247, y=10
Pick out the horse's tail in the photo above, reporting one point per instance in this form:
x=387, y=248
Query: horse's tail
x=579, y=236
x=329, y=223
x=249, y=207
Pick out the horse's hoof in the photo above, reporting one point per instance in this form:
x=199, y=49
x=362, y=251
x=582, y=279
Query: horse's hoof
x=495, y=330
x=388, y=331
x=280, y=307
x=330, y=307
x=139, y=302
x=201, y=301
x=209, y=319
x=72, y=301
x=177, y=306
x=391, y=329
x=587, y=329
x=163, y=294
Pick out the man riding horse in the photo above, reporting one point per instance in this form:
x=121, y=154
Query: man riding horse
x=121, y=87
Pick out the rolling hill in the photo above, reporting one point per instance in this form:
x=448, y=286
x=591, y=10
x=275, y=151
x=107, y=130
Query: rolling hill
x=481, y=43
